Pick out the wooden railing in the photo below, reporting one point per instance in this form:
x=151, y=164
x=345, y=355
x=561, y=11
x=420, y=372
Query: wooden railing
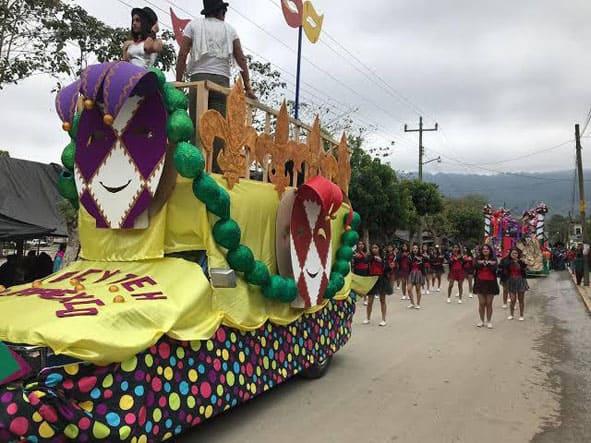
x=265, y=116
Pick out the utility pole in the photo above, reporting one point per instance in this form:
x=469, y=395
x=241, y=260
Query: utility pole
x=420, y=130
x=582, y=201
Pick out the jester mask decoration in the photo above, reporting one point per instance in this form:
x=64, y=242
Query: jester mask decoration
x=316, y=202
x=120, y=144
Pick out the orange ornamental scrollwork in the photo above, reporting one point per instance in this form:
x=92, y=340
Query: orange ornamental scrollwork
x=273, y=152
x=237, y=135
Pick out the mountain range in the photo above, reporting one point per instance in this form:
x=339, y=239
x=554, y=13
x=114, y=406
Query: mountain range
x=518, y=191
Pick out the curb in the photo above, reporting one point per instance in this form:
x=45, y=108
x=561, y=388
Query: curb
x=581, y=291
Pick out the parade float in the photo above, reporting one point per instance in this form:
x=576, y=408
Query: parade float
x=503, y=232
x=195, y=291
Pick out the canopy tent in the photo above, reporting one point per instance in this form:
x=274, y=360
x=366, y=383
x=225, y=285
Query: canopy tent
x=29, y=200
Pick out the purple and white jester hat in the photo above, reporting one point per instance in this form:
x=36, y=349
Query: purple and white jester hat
x=120, y=144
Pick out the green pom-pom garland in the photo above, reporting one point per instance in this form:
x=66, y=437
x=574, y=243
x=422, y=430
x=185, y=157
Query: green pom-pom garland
x=179, y=126
x=277, y=285
x=356, y=222
x=226, y=233
x=67, y=188
x=68, y=156
x=189, y=160
x=73, y=132
x=175, y=99
x=345, y=253
x=160, y=76
x=241, y=259
x=259, y=276
x=350, y=238
x=342, y=267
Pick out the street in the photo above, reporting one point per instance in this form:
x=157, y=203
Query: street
x=432, y=376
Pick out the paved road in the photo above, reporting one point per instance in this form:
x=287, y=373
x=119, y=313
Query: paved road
x=431, y=376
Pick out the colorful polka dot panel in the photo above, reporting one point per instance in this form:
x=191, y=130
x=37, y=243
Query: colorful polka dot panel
x=170, y=387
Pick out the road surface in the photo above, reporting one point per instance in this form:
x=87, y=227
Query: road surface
x=432, y=376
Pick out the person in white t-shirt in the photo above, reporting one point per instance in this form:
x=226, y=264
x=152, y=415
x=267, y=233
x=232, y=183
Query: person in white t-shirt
x=213, y=46
x=144, y=47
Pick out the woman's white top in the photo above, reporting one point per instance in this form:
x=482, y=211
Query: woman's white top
x=137, y=55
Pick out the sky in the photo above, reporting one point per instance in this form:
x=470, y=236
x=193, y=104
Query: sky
x=506, y=81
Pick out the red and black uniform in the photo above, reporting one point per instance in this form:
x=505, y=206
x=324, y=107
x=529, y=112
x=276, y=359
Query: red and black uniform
x=456, y=268
x=516, y=273
x=437, y=264
x=391, y=265
x=485, y=282
x=468, y=265
x=377, y=268
x=404, y=265
x=360, y=264
x=417, y=270
x=428, y=267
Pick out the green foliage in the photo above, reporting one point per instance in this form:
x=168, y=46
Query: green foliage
x=375, y=192
x=557, y=228
x=4, y=153
x=40, y=36
x=465, y=219
x=426, y=197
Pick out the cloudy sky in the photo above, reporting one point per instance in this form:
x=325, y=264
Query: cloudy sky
x=503, y=79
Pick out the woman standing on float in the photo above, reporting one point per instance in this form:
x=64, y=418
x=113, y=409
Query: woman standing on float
x=416, y=277
x=469, y=270
x=516, y=271
x=404, y=270
x=143, y=48
x=456, y=272
x=377, y=268
x=485, y=284
x=436, y=268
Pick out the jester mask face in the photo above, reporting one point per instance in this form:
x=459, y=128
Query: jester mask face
x=119, y=159
x=311, y=252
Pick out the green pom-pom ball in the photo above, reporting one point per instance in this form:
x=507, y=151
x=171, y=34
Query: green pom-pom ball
x=345, y=253
x=259, y=276
x=219, y=206
x=331, y=291
x=68, y=156
x=66, y=186
x=175, y=99
x=342, y=267
x=241, y=259
x=179, y=126
x=159, y=76
x=277, y=286
x=350, y=238
x=189, y=160
x=337, y=280
x=291, y=291
x=227, y=234
x=73, y=132
x=205, y=188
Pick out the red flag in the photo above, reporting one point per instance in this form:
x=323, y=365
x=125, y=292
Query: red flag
x=178, y=26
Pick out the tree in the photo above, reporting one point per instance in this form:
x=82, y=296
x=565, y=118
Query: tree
x=557, y=229
x=425, y=196
x=39, y=36
x=465, y=218
x=4, y=153
x=376, y=194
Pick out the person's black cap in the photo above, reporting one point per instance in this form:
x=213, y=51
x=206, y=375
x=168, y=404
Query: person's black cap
x=213, y=6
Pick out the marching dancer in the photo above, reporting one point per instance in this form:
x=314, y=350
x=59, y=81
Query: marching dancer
x=360, y=263
x=469, y=270
x=515, y=271
x=485, y=284
x=377, y=267
x=404, y=270
x=416, y=277
x=456, y=273
x=503, y=279
x=427, y=268
x=436, y=268
x=391, y=266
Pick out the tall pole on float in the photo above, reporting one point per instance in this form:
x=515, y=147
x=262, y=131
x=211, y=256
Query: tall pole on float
x=582, y=201
x=297, y=91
